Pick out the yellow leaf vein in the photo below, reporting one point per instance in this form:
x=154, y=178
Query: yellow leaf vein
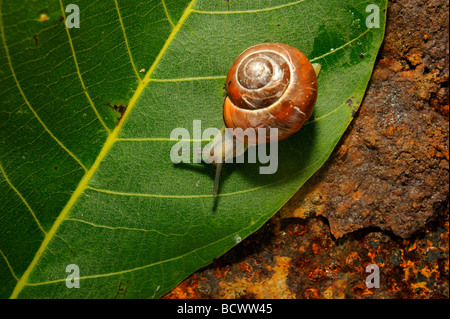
x=110, y=141
x=79, y=73
x=19, y=87
x=22, y=198
x=250, y=11
x=126, y=41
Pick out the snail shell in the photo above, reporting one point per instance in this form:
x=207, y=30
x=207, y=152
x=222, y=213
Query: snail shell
x=269, y=85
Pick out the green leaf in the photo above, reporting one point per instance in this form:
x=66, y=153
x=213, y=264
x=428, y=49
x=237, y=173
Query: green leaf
x=80, y=187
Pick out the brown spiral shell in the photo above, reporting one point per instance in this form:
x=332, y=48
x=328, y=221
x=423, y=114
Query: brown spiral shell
x=270, y=85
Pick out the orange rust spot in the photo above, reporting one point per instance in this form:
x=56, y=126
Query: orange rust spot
x=312, y=293
x=352, y=259
x=349, y=187
x=185, y=290
x=390, y=130
x=261, y=288
x=315, y=248
x=357, y=195
x=328, y=293
x=221, y=272
x=372, y=255
x=390, y=64
x=356, y=156
x=245, y=267
x=426, y=272
x=342, y=152
x=316, y=274
x=302, y=249
x=336, y=291
x=43, y=17
x=413, y=247
x=302, y=212
x=421, y=286
x=394, y=287
x=409, y=269
x=415, y=58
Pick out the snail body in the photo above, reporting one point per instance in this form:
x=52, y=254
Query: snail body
x=269, y=85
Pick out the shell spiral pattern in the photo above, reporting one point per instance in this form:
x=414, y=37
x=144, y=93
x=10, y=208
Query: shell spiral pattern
x=269, y=85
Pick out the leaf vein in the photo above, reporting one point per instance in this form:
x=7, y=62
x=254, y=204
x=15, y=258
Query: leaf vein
x=218, y=77
x=123, y=228
x=9, y=265
x=22, y=198
x=250, y=11
x=79, y=73
x=126, y=40
x=110, y=141
x=167, y=14
x=341, y=47
x=8, y=56
x=194, y=251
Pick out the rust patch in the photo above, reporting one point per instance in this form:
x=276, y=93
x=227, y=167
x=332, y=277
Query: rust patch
x=299, y=258
x=271, y=287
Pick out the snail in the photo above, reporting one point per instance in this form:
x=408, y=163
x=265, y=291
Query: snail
x=269, y=85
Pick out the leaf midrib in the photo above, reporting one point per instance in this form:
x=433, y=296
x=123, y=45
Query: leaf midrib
x=110, y=141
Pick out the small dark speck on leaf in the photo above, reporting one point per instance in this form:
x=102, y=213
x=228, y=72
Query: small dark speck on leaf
x=349, y=102
x=55, y=168
x=353, y=105
x=118, y=108
x=121, y=288
x=278, y=25
x=361, y=55
x=35, y=39
x=61, y=18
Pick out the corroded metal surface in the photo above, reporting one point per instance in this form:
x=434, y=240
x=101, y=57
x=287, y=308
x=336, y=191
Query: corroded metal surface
x=391, y=169
x=299, y=258
x=381, y=198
